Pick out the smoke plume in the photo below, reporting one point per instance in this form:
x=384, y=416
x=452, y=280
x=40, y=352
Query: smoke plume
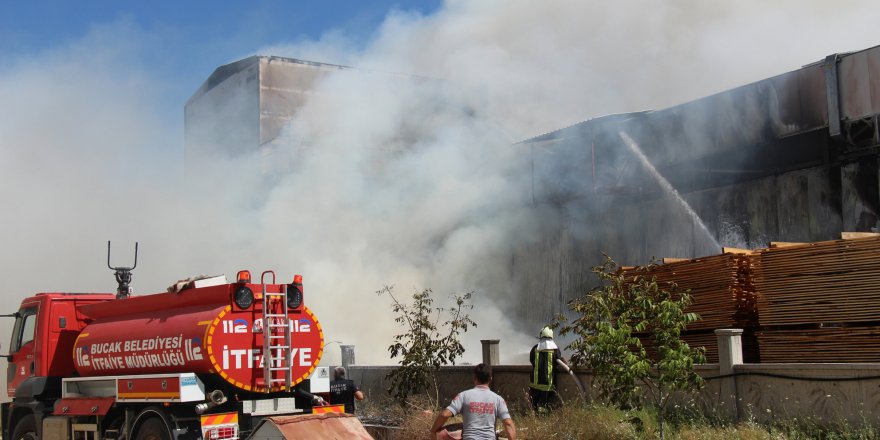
x=414, y=183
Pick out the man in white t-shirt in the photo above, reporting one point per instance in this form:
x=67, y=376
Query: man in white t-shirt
x=479, y=408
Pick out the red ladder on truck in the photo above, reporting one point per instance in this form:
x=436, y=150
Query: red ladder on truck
x=277, y=362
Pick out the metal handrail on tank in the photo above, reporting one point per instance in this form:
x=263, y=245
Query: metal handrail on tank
x=263, y=277
x=123, y=274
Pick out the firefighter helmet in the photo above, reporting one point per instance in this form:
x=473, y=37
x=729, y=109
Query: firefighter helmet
x=546, y=332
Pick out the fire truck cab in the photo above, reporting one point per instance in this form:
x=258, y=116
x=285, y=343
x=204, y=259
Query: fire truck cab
x=46, y=326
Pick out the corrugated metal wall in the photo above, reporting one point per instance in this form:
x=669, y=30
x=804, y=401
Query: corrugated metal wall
x=756, y=164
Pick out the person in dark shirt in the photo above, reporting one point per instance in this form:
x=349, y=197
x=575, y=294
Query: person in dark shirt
x=544, y=356
x=344, y=391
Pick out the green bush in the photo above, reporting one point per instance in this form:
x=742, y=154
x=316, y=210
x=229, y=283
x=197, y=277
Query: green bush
x=427, y=343
x=607, y=319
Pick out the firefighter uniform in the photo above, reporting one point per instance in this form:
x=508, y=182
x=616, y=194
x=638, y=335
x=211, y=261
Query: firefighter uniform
x=543, y=357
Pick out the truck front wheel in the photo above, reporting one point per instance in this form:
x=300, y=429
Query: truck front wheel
x=152, y=429
x=25, y=429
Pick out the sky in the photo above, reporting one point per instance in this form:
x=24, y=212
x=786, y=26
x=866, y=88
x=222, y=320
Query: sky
x=91, y=133
x=213, y=32
x=181, y=43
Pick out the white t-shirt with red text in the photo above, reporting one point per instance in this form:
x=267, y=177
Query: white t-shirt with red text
x=480, y=408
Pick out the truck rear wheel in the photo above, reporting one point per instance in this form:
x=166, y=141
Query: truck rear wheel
x=25, y=429
x=152, y=429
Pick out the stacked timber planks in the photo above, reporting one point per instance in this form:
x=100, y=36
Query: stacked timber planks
x=796, y=302
x=721, y=292
x=827, y=282
x=820, y=302
x=707, y=340
x=842, y=344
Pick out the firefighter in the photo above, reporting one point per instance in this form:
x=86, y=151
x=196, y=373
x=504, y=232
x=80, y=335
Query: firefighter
x=344, y=391
x=545, y=356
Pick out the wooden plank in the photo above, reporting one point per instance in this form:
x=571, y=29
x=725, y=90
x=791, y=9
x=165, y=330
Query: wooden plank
x=834, y=344
x=833, y=281
x=783, y=244
x=851, y=235
x=732, y=250
x=719, y=291
x=668, y=260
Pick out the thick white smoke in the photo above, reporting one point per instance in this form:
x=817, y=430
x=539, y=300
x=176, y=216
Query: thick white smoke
x=394, y=183
x=87, y=156
x=447, y=211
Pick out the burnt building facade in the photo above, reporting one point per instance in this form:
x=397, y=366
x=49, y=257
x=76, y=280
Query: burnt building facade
x=792, y=158
x=247, y=106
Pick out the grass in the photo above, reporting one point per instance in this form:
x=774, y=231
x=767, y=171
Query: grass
x=598, y=422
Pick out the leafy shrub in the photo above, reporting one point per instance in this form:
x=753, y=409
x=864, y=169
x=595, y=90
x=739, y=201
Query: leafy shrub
x=426, y=343
x=607, y=319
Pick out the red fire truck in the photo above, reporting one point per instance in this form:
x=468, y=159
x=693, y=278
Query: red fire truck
x=207, y=360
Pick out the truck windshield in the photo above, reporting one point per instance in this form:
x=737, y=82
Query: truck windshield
x=25, y=325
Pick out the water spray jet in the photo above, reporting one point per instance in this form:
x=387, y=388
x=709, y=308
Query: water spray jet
x=667, y=187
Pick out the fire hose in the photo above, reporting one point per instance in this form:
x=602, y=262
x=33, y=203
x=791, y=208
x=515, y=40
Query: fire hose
x=577, y=380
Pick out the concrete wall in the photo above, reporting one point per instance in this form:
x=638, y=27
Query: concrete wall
x=510, y=381
x=758, y=398
x=823, y=393
x=768, y=398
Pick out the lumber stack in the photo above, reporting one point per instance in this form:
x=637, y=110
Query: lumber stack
x=796, y=302
x=820, y=302
x=826, y=344
x=721, y=293
x=708, y=340
x=827, y=282
x=721, y=290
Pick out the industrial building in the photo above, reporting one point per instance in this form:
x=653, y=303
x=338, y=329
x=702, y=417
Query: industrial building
x=249, y=106
x=791, y=158
x=245, y=106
